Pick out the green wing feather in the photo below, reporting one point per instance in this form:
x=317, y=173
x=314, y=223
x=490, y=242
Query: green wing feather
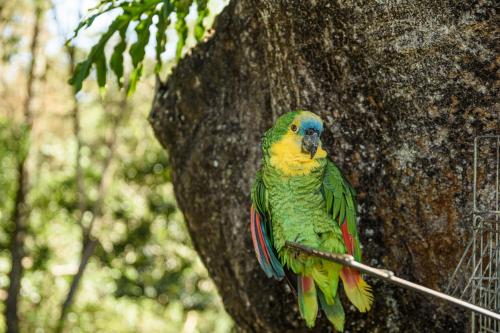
x=344, y=213
x=259, y=196
x=340, y=200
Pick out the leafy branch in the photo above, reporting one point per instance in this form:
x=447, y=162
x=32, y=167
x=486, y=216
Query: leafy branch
x=143, y=14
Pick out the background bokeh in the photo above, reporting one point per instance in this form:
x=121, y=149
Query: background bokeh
x=95, y=173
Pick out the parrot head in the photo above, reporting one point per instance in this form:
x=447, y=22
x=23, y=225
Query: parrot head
x=293, y=144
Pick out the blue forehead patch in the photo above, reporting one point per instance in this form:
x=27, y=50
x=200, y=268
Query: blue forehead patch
x=311, y=123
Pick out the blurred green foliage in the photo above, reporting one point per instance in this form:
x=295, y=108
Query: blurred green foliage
x=142, y=15
x=144, y=275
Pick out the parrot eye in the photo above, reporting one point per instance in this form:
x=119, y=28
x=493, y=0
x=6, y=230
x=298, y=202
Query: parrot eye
x=293, y=128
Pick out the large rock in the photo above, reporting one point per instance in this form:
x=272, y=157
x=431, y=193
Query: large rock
x=403, y=88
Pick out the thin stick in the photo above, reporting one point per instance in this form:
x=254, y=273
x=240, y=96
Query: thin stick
x=389, y=276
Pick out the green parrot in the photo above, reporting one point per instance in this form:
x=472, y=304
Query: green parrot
x=299, y=195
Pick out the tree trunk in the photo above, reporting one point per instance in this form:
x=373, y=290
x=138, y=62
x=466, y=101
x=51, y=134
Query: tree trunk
x=89, y=243
x=21, y=211
x=403, y=89
x=88, y=250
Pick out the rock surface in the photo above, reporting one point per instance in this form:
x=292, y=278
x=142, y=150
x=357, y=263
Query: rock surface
x=403, y=87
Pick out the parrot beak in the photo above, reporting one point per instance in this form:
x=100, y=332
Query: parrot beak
x=310, y=142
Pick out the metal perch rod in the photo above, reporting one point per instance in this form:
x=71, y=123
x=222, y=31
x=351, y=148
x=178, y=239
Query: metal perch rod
x=386, y=275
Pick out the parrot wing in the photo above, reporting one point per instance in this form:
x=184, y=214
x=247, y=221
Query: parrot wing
x=340, y=200
x=261, y=231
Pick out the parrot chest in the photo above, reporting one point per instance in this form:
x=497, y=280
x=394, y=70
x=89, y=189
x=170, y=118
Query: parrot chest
x=298, y=210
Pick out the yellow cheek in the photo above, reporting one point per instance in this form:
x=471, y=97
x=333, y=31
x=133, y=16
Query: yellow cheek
x=287, y=156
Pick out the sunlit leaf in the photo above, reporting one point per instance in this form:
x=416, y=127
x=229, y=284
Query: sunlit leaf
x=182, y=32
x=134, y=78
x=138, y=49
x=82, y=70
x=116, y=62
x=203, y=11
x=161, y=33
x=100, y=66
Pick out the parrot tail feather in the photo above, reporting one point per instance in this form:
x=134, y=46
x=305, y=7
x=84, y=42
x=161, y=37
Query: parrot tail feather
x=356, y=289
x=334, y=312
x=308, y=300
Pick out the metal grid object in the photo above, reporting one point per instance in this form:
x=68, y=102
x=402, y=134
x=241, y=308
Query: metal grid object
x=477, y=276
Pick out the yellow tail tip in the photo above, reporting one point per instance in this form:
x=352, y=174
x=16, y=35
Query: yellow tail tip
x=359, y=293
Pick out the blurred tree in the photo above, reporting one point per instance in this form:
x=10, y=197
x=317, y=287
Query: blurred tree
x=20, y=213
x=90, y=241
